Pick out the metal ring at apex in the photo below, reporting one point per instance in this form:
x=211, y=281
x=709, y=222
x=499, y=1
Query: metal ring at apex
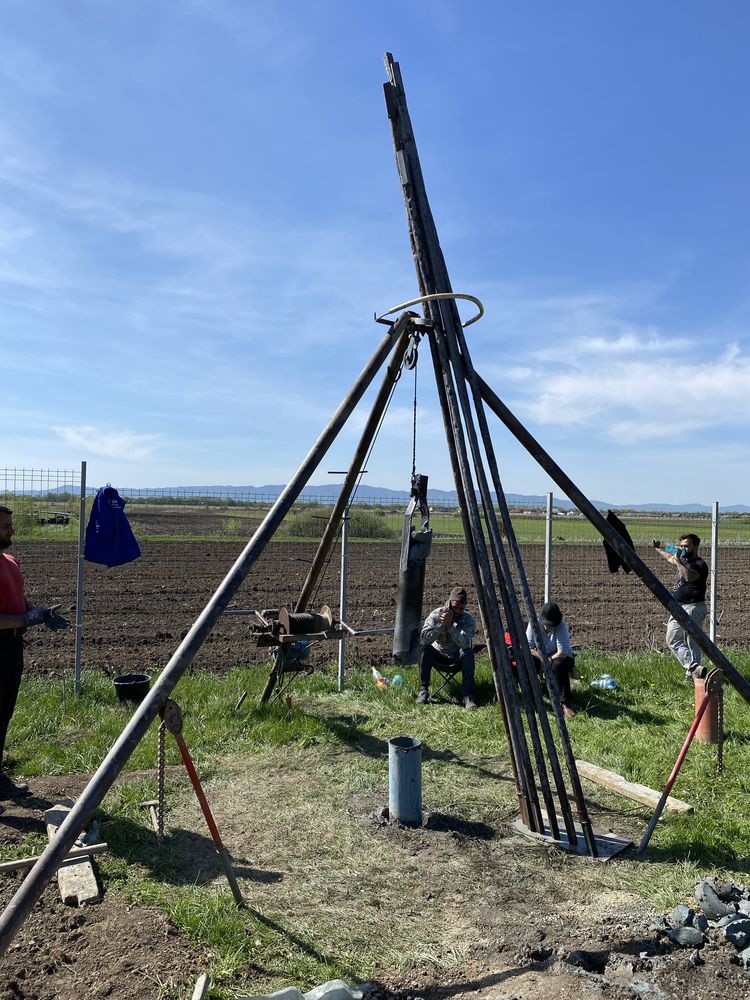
x=441, y=295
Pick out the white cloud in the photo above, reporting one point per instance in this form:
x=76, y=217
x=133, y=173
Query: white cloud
x=518, y=373
x=671, y=395
x=598, y=363
x=630, y=342
x=196, y=264
x=122, y=445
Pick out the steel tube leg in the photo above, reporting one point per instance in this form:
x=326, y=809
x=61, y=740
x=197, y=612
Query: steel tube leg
x=32, y=887
x=626, y=553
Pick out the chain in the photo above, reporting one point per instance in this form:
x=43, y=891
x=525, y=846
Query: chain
x=161, y=767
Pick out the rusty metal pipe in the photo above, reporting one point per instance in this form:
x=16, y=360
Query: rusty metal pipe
x=33, y=885
x=401, y=333
x=522, y=647
x=626, y=553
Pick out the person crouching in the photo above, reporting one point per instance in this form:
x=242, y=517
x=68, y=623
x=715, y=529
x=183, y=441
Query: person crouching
x=557, y=644
x=447, y=639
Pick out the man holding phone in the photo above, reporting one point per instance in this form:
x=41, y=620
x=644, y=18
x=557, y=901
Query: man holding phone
x=447, y=639
x=689, y=590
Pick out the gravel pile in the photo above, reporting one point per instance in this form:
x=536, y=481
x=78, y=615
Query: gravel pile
x=720, y=918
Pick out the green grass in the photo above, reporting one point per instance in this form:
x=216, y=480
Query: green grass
x=305, y=522
x=291, y=782
x=56, y=733
x=579, y=531
x=385, y=524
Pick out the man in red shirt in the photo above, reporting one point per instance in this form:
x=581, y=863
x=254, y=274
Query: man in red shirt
x=16, y=615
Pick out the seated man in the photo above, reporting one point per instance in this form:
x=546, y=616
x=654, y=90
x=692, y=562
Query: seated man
x=559, y=650
x=447, y=639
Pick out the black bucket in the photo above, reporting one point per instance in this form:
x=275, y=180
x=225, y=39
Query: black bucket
x=132, y=687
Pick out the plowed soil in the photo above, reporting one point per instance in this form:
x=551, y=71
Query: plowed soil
x=134, y=616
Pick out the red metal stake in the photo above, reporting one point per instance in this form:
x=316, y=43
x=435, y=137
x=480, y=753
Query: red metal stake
x=173, y=720
x=713, y=683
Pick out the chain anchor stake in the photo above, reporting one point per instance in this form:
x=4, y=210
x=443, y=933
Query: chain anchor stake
x=714, y=682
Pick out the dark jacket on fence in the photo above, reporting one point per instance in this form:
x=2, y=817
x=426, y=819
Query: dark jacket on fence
x=613, y=559
x=109, y=537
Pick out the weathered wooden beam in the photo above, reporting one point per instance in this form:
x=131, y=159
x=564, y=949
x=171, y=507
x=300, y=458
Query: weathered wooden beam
x=433, y=278
x=201, y=987
x=630, y=789
x=76, y=878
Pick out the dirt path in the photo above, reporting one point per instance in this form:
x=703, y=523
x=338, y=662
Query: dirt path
x=470, y=908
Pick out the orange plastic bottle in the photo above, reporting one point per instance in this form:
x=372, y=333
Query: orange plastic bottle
x=380, y=681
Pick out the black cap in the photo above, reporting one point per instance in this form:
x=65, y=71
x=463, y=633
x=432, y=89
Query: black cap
x=550, y=614
x=458, y=594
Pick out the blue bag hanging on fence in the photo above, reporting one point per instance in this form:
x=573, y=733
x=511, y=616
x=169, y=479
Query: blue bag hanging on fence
x=109, y=537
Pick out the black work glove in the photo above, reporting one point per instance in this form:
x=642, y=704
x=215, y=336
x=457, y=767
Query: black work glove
x=56, y=621
x=46, y=616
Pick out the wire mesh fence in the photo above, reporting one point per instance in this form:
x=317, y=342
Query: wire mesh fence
x=134, y=616
x=48, y=509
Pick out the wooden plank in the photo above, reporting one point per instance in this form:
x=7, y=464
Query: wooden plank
x=630, y=789
x=76, y=877
x=201, y=987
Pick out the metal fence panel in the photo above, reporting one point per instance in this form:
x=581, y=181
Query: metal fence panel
x=46, y=505
x=135, y=615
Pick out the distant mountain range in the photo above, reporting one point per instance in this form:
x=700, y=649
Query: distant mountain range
x=448, y=498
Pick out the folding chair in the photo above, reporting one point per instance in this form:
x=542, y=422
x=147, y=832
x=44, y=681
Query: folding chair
x=451, y=676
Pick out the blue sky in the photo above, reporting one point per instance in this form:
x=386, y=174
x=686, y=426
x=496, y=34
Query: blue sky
x=200, y=213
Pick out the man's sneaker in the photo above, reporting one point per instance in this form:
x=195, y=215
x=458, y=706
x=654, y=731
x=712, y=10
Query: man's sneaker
x=469, y=702
x=423, y=696
x=10, y=790
x=693, y=671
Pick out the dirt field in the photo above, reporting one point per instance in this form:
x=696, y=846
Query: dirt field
x=482, y=912
x=501, y=923
x=135, y=615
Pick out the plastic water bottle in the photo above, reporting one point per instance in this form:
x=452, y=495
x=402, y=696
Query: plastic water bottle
x=380, y=681
x=605, y=681
x=397, y=680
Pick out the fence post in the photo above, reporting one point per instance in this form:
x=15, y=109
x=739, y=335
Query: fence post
x=79, y=577
x=548, y=550
x=714, y=566
x=343, y=592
